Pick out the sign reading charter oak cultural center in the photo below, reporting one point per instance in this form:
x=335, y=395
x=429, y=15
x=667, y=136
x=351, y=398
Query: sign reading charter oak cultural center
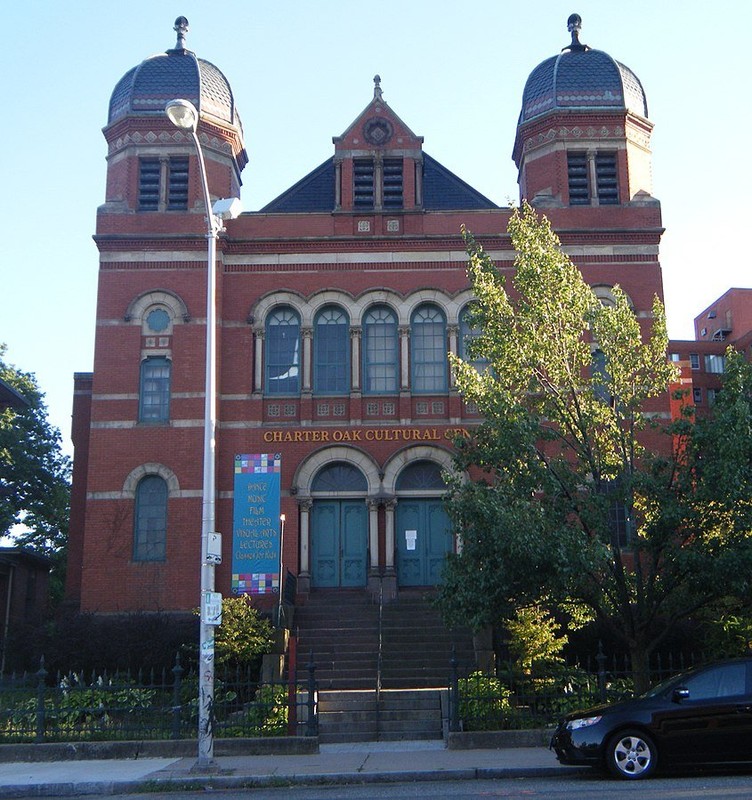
x=255, y=537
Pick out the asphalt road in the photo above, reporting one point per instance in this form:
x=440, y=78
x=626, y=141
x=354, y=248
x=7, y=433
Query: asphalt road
x=719, y=786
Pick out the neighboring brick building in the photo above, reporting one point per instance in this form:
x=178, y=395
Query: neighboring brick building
x=337, y=304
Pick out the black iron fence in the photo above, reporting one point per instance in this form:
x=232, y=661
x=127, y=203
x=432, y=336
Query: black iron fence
x=515, y=698
x=38, y=707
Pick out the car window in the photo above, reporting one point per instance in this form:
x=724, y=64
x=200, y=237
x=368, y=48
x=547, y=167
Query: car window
x=727, y=680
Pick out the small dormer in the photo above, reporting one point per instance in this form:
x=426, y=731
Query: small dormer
x=378, y=162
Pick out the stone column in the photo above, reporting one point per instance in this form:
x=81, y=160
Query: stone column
x=304, y=576
x=306, y=336
x=355, y=337
x=453, y=331
x=259, y=360
x=404, y=334
x=374, y=571
x=389, y=581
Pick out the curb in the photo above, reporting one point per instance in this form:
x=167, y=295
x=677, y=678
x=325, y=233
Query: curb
x=210, y=782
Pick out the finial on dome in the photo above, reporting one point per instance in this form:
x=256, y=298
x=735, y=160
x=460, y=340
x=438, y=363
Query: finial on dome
x=181, y=28
x=574, y=25
x=377, y=87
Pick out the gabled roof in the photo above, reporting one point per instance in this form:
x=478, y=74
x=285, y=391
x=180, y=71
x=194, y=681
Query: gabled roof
x=442, y=191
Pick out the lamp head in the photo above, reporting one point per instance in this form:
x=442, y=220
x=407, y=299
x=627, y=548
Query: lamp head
x=182, y=114
x=228, y=208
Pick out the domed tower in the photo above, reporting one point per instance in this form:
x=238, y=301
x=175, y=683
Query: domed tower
x=583, y=136
x=149, y=161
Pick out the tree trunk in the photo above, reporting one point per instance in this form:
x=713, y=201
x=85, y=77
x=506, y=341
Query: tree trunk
x=640, y=659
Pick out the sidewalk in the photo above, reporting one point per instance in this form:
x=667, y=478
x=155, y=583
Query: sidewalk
x=336, y=763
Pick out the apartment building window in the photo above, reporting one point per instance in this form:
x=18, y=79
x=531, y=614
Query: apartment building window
x=694, y=360
x=697, y=395
x=715, y=363
x=592, y=178
x=163, y=184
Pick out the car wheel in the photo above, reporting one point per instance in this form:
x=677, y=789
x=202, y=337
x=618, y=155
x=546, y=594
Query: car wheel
x=631, y=755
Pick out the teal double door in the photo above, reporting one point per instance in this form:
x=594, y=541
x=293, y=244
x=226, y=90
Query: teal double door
x=424, y=537
x=339, y=543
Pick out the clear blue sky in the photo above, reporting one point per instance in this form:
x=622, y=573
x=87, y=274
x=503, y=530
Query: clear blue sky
x=301, y=71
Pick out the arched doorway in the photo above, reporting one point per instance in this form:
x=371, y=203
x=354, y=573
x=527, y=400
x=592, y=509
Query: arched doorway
x=422, y=530
x=339, y=527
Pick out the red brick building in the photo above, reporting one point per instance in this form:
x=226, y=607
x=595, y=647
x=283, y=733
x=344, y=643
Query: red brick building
x=337, y=304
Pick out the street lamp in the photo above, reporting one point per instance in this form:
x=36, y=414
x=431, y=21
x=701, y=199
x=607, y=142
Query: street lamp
x=184, y=115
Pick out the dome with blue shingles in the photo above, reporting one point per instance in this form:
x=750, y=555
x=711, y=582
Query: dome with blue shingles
x=177, y=73
x=581, y=78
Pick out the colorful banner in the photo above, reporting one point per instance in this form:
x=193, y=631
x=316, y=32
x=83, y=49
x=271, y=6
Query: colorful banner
x=255, y=538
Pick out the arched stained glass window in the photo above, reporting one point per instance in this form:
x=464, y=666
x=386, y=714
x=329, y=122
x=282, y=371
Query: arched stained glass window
x=428, y=344
x=380, y=351
x=339, y=477
x=331, y=349
x=282, y=352
x=420, y=475
x=150, y=520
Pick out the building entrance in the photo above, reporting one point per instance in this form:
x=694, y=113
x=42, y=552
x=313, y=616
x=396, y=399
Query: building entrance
x=339, y=543
x=424, y=537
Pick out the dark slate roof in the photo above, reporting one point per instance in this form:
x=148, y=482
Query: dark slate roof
x=442, y=191
x=146, y=89
x=582, y=79
x=10, y=398
x=315, y=192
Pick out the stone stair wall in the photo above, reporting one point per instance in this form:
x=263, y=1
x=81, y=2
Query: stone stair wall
x=388, y=715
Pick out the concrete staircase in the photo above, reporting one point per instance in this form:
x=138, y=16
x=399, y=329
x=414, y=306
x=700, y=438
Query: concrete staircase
x=340, y=629
x=388, y=715
x=416, y=645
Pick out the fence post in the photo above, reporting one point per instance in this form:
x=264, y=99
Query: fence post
x=177, y=671
x=454, y=699
x=41, y=675
x=601, y=661
x=312, y=725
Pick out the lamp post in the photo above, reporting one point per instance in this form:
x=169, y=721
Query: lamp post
x=184, y=115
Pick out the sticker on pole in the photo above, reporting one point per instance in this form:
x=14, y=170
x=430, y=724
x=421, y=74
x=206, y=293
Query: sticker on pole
x=211, y=613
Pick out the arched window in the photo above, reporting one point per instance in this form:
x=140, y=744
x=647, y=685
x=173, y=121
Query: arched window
x=283, y=352
x=154, y=390
x=428, y=345
x=380, y=351
x=150, y=520
x=420, y=475
x=468, y=333
x=331, y=349
x=339, y=477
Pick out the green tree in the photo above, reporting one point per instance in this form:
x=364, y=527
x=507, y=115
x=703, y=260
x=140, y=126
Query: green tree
x=568, y=504
x=34, y=476
x=244, y=634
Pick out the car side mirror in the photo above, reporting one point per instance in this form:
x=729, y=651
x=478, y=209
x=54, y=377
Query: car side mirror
x=680, y=693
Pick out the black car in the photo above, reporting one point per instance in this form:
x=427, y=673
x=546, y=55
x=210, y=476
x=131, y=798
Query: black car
x=702, y=716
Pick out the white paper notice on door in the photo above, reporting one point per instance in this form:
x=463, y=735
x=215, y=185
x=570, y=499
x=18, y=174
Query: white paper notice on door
x=410, y=539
